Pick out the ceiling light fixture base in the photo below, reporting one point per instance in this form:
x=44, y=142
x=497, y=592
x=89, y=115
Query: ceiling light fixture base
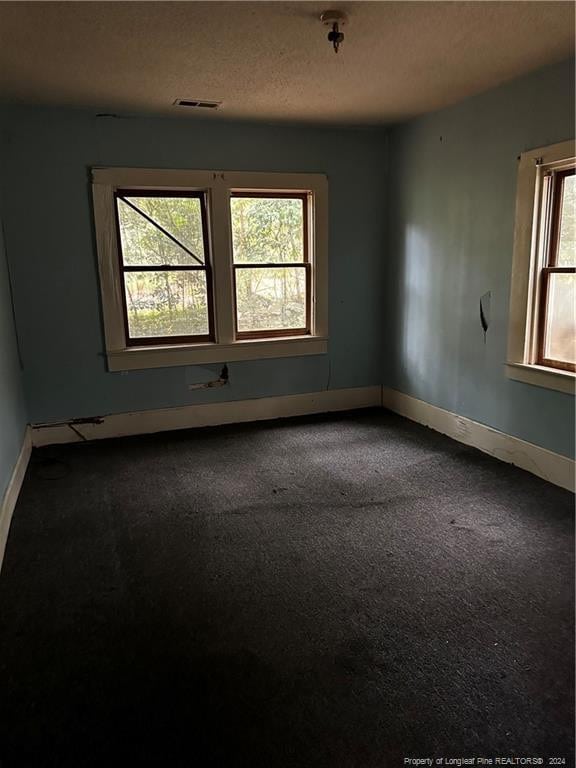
x=334, y=19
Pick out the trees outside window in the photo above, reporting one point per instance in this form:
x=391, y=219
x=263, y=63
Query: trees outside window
x=557, y=318
x=210, y=266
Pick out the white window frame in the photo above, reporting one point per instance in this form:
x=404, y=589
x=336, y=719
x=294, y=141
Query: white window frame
x=217, y=186
x=529, y=244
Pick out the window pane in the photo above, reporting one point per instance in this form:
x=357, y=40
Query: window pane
x=271, y=298
x=143, y=243
x=567, y=236
x=166, y=303
x=560, y=342
x=267, y=229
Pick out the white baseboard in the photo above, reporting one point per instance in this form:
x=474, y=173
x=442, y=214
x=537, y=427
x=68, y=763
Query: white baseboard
x=546, y=464
x=11, y=494
x=211, y=414
x=551, y=466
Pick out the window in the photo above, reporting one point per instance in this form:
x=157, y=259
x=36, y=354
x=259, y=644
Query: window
x=271, y=266
x=542, y=340
x=163, y=266
x=557, y=323
x=203, y=266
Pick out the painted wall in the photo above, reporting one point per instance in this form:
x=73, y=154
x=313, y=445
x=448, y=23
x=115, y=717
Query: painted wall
x=46, y=156
x=451, y=193
x=12, y=408
x=405, y=313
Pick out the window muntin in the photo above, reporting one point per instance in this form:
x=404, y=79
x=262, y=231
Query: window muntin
x=272, y=268
x=556, y=327
x=164, y=267
x=215, y=187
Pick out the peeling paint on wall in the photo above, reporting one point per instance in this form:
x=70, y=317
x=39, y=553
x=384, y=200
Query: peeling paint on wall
x=485, y=301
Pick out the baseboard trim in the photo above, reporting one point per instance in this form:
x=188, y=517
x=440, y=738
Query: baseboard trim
x=548, y=465
x=207, y=415
x=13, y=490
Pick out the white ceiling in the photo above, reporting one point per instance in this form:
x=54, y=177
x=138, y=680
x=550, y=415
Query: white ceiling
x=271, y=60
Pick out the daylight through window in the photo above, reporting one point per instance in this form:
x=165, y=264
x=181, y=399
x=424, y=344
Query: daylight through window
x=164, y=267
x=542, y=323
x=211, y=266
x=271, y=267
x=557, y=318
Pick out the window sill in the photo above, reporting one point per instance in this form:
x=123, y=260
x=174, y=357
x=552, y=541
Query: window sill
x=539, y=376
x=136, y=358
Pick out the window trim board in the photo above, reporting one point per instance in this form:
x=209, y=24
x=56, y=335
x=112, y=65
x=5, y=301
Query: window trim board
x=524, y=305
x=134, y=358
x=218, y=187
x=541, y=376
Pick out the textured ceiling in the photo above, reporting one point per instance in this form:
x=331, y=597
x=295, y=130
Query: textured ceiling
x=271, y=60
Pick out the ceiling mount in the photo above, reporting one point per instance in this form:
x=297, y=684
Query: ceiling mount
x=334, y=20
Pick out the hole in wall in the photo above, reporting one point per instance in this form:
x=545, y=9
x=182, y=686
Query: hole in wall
x=485, y=301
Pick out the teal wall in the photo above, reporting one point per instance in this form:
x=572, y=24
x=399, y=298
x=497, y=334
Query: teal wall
x=12, y=408
x=450, y=207
x=404, y=303
x=46, y=156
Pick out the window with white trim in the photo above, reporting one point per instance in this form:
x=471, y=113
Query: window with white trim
x=210, y=266
x=556, y=342
x=542, y=340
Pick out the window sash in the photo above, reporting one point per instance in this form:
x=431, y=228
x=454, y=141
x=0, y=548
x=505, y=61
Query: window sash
x=556, y=215
x=551, y=212
x=543, y=318
x=137, y=341
x=278, y=195
x=276, y=332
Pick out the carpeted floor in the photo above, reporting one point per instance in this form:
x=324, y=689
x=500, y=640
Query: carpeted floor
x=330, y=592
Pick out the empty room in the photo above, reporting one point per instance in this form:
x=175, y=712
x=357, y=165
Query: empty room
x=287, y=377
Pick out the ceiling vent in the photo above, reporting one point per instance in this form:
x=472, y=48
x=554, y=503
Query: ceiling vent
x=197, y=103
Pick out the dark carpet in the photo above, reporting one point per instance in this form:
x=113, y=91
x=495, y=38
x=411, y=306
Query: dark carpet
x=338, y=591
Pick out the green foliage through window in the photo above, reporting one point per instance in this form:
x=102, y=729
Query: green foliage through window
x=167, y=233
x=269, y=231
x=163, y=232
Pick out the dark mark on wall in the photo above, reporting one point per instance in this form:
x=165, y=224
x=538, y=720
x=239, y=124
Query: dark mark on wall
x=485, y=312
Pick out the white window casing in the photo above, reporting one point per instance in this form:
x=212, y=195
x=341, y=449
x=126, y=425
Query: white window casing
x=527, y=261
x=216, y=185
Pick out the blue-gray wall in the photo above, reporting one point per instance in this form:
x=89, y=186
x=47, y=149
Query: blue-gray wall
x=403, y=308
x=46, y=157
x=12, y=409
x=451, y=198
